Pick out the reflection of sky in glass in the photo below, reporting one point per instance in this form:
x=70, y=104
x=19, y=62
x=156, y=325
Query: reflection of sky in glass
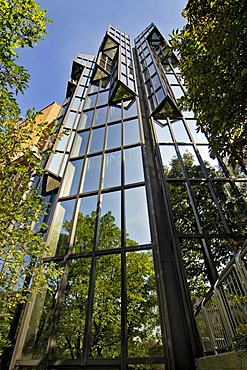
x=163, y=133
x=136, y=213
x=180, y=131
x=133, y=165
x=111, y=202
x=71, y=178
x=113, y=136
x=199, y=137
x=80, y=144
x=97, y=137
x=112, y=174
x=131, y=132
x=55, y=162
x=167, y=154
x=91, y=173
x=87, y=205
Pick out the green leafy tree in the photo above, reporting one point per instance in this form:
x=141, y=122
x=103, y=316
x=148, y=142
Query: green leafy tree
x=22, y=23
x=143, y=329
x=185, y=220
x=212, y=48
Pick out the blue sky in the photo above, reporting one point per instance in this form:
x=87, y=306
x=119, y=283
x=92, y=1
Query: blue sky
x=80, y=26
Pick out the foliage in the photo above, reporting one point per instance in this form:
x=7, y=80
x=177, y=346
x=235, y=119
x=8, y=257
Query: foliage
x=143, y=330
x=21, y=24
x=185, y=220
x=212, y=49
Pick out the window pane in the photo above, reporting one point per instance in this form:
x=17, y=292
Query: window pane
x=92, y=174
x=112, y=174
x=170, y=161
x=190, y=161
x=86, y=119
x=70, y=330
x=58, y=236
x=130, y=111
x=113, y=136
x=85, y=225
x=114, y=114
x=90, y=101
x=63, y=140
x=133, y=165
x=103, y=98
x=100, y=116
x=70, y=119
x=163, y=133
x=199, y=137
x=97, y=138
x=212, y=165
x=131, y=132
x=105, y=341
x=38, y=327
x=80, y=144
x=143, y=324
x=55, y=162
x=180, y=131
x=184, y=217
x=136, y=216
x=72, y=178
x=178, y=92
x=111, y=202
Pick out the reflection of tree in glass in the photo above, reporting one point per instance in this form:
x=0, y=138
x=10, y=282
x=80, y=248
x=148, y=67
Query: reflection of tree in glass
x=210, y=219
x=143, y=331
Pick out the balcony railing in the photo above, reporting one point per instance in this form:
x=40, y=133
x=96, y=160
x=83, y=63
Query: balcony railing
x=222, y=315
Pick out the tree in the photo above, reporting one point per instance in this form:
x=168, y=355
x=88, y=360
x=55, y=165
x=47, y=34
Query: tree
x=21, y=24
x=185, y=221
x=143, y=328
x=212, y=49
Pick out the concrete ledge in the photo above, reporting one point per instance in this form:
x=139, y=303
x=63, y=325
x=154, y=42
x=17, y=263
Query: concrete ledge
x=228, y=361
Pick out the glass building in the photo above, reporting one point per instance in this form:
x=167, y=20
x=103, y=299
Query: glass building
x=141, y=219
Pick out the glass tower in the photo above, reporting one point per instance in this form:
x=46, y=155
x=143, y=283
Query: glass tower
x=141, y=218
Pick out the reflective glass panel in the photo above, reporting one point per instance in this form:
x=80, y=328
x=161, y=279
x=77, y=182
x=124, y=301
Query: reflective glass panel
x=97, y=138
x=105, y=340
x=37, y=331
x=171, y=78
x=55, y=162
x=85, y=225
x=170, y=161
x=76, y=103
x=62, y=222
x=213, y=167
x=184, y=217
x=70, y=119
x=136, y=216
x=90, y=101
x=130, y=111
x=110, y=230
x=142, y=309
x=178, y=92
x=91, y=174
x=113, y=136
x=195, y=269
x=131, y=132
x=71, y=178
x=80, y=144
x=64, y=162
x=111, y=202
x=70, y=330
x=163, y=133
x=133, y=165
x=103, y=98
x=86, y=119
x=112, y=173
x=199, y=137
x=180, y=131
x=190, y=161
x=156, y=81
x=62, y=142
x=114, y=114
x=207, y=209
x=100, y=116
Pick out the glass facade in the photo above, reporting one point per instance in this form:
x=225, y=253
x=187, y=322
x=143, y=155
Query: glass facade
x=140, y=210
